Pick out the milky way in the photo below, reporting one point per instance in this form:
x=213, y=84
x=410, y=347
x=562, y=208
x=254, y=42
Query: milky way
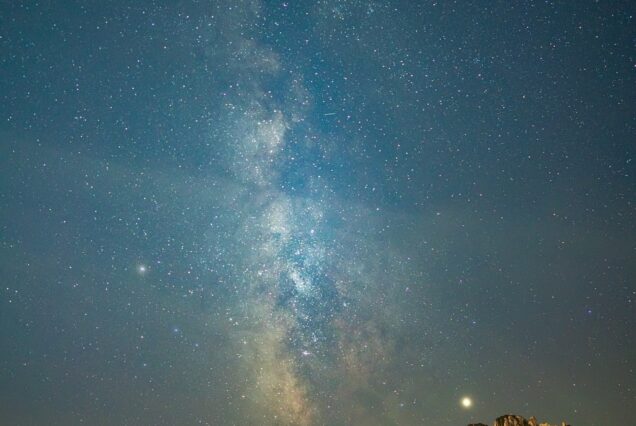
x=337, y=212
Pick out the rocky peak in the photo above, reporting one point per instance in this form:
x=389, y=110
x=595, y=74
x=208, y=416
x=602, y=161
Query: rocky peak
x=511, y=420
x=514, y=420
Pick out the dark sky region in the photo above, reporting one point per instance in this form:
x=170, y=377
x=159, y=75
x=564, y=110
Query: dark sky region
x=317, y=212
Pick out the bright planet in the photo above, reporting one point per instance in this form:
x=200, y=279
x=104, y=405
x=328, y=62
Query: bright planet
x=467, y=402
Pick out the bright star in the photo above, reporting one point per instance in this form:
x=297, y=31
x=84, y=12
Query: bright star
x=467, y=402
x=142, y=269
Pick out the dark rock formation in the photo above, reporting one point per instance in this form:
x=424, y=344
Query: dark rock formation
x=511, y=420
x=514, y=420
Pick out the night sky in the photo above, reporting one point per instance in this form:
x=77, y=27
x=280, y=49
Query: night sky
x=334, y=212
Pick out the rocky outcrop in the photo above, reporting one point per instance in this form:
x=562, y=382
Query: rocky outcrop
x=514, y=420
x=511, y=420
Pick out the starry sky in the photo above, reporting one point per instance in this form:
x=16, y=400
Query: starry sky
x=331, y=212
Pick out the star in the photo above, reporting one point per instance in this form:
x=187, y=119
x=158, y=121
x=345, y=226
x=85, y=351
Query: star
x=467, y=402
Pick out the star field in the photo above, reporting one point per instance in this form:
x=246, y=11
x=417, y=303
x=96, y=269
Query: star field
x=338, y=212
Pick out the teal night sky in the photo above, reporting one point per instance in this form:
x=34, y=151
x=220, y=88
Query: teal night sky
x=330, y=212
